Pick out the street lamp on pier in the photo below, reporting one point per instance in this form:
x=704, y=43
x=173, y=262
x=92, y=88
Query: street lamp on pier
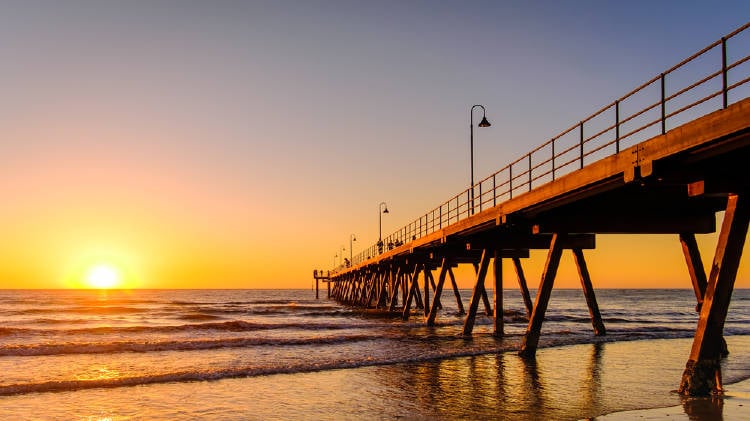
x=352, y=238
x=483, y=123
x=382, y=208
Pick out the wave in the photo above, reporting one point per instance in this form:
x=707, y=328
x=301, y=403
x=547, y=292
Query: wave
x=227, y=326
x=84, y=310
x=235, y=372
x=197, y=317
x=189, y=345
x=498, y=346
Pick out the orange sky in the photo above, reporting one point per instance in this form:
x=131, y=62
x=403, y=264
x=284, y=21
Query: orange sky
x=240, y=146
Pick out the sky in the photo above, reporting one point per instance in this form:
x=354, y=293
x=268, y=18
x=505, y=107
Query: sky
x=232, y=144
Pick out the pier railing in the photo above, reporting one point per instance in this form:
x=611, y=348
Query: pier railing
x=709, y=80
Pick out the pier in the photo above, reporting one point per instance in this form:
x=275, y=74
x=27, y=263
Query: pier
x=662, y=159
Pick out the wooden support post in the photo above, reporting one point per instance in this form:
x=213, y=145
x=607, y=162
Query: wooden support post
x=459, y=302
x=418, y=298
x=697, y=275
x=394, y=294
x=404, y=286
x=317, y=287
x=444, y=267
x=498, y=269
x=531, y=339
x=484, y=264
x=329, y=288
x=695, y=266
x=383, y=293
x=588, y=292
x=702, y=374
x=413, y=288
x=427, y=276
x=523, y=286
x=485, y=298
x=487, y=305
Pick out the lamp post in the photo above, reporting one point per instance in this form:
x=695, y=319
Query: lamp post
x=382, y=208
x=352, y=238
x=483, y=123
x=334, y=260
x=343, y=249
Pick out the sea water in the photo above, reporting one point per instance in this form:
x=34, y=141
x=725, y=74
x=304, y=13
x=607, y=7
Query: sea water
x=280, y=354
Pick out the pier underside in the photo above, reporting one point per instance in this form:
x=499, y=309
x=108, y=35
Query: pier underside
x=673, y=184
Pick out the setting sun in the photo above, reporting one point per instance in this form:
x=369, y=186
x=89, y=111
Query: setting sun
x=103, y=276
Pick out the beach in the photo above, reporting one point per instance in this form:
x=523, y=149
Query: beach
x=281, y=354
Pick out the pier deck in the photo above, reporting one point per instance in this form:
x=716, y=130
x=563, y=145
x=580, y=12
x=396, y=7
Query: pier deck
x=666, y=168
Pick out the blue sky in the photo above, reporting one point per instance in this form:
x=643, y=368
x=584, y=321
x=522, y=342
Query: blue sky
x=286, y=123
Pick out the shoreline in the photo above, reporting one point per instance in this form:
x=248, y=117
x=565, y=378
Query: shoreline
x=734, y=403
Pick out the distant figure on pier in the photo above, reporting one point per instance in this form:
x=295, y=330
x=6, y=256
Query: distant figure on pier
x=390, y=245
x=347, y=262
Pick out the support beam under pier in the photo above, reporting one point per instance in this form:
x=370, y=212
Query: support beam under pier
x=702, y=374
x=479, y=291
x=588, y=292
x=531, y=339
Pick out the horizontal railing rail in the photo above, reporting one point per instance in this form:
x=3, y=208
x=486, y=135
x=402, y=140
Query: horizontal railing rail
x=603, y=133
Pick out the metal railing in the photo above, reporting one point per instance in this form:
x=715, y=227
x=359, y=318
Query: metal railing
x=639, y=115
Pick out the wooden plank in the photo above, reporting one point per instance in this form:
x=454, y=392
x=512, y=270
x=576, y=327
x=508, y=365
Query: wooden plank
x=478, y=289
x=531, y=339
x=647, y=222
x=523, y=286
x=588, y=292
x=519, y=243
x=702, y=375
x=444, y=268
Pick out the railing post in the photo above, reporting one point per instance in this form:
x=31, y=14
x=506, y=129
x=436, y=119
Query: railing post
x=553, y=159
x=617, y=126
x=580, y=142
x=663, y=105
x=529, y=171
x=724, y=70
x=480, y=197
x=494, y=190
x=510, y=180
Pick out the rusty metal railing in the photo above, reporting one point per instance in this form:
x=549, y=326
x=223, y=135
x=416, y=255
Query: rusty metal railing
x=703, y=83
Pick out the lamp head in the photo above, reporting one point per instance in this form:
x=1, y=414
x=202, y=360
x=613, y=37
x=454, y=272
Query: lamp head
x=484, y=122
x=385, y=210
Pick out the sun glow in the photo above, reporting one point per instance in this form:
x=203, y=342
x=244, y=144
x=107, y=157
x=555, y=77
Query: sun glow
x=103, y=276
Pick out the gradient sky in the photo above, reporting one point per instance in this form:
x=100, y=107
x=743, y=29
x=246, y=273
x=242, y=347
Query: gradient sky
x=239, y=144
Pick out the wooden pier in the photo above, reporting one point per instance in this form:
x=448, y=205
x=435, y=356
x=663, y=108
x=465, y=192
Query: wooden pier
x=669, y=175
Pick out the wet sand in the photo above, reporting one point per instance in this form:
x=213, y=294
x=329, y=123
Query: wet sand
x=734, y=405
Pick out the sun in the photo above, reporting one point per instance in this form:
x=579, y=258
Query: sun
x=103, y=276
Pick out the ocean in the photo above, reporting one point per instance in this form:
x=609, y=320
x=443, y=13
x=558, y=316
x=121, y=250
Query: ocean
x=282, y=354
